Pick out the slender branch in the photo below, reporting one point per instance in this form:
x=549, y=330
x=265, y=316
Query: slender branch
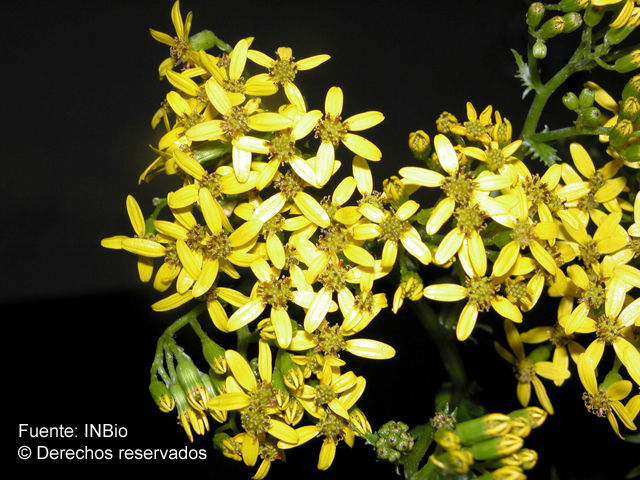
x=567, y=132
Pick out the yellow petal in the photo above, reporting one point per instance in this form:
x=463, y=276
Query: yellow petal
x=445, y=292
x=240, y=369
x=364, y=120
x=362, y=147
x=446, y=154
x=368, y=348
x=333, y=101
x=135, y=216
x=466, y=321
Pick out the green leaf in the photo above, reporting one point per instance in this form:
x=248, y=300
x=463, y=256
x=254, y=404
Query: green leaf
x=524, y=74
x=541, y=151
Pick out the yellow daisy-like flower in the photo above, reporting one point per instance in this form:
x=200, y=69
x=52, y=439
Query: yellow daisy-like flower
x=493, y=155
x=272, y=289
x=527, y=371
x=334, y=428
x=481, y=294
x=392, y=228
x=526, y=233
x=254, y=399
x=600, y=187
x=604, y=403
x=284, y=68
x=236, y=121
x=332, y=130
x=142, y=244
x=477, y=127
x=611, y=328
x=180, y=52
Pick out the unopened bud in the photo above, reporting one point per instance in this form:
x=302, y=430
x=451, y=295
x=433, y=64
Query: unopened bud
x=570, y=100
x=572, y=5
x=615, y=36
x=454, y=461
x=593, y=16
x=620, y=133
x=586, y=98
x=203, y=40
x=535, y=415
x=628, y=63
x=496, y=447
x=630, y=109
x=535, y=14
x=632, y=88
x=482, y=428
x=214, y=355
x=572, y=21
x=539, y=49
x=552, y=27
x=161, y=396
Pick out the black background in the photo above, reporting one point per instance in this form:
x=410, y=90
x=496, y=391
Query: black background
x=79, y=87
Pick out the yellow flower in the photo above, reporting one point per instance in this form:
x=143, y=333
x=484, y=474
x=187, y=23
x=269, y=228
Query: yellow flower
x=565, y=345
x=330, y=340
x=284, y=68
x=142, y=244
x=393, y=227
x=600, y=187
x=604, y=403
x=494, y=156
x=526, y=234
x=236, y=121
x=411, y=288
x=527, y=371
x=477, y=127
x=481, y=294
x=274, y=290
x=332, y=131
x=255, y=400
x=333, y=427
x=180, y=46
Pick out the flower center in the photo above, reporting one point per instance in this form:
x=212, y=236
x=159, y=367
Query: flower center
x=525, y=371
x=282, y=147
x=283, y=71
x=328, y=340
x=469, y=219
x=598, y=404
x=236, y=123
x=330, y=129
x=276, y=292
x=481, y=292
x=334, y=276
x=392, y=228
x=607, y=329
x=460, y=187
x=523, y=233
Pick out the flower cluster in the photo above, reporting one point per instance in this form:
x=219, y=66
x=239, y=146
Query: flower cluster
x=492, y=443
x=258, y=237
x=513, y=235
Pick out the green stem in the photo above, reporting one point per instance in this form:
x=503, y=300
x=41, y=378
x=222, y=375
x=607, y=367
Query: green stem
x=447, y=348
x=244, y=339
x=566, y=133
x=411, y=462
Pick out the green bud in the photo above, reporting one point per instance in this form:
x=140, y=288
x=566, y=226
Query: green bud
x=552, y=27
x=620, y=133
x=572, y=5
x=630, y=109
x=632, y=88
x=482, y=428
x=161, y=396
x=179, y=395
x=520, y=426
x=615, y=36
x=539, y=49
x=214, y=355
x=203, y=40
x=454, y=461
x=447, y=439
x=632, y=154
x=572, y=21
x=535, y=14
x=628, y=63
x=218, y=382
x=592, y=16
x=570, y=100
x=590, y=117
x=586, y=98
x=496, y=447
x=535, y=415
x=393, y=441
x=189, y=377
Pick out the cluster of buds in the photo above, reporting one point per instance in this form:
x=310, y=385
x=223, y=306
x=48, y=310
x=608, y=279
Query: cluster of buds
x=492, y=444
x=568, y=16
x=393, y=441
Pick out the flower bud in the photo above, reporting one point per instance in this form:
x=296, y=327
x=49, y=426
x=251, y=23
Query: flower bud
x=203, y=40
x=393, y=188
x=586, y=98
x=161, y=396
x=535, y=415
x=394, y=440
x=620, y=133
x=628, y=63
x=539, y=49
x=593, y=16
x=572, y=21
x=496, y=447
x=572, y=5
x=590, y=117
x=520, y=426
x=420, y=144
x=447, y=439
x=482, y=428
x=630, y=109
x=632, y=88
x=214, y=355
x=189, y=378
x=552, y=27
x=631, y=154
x=454, y=461
x=570, y=100
x=615, y=36
x=535, y=14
